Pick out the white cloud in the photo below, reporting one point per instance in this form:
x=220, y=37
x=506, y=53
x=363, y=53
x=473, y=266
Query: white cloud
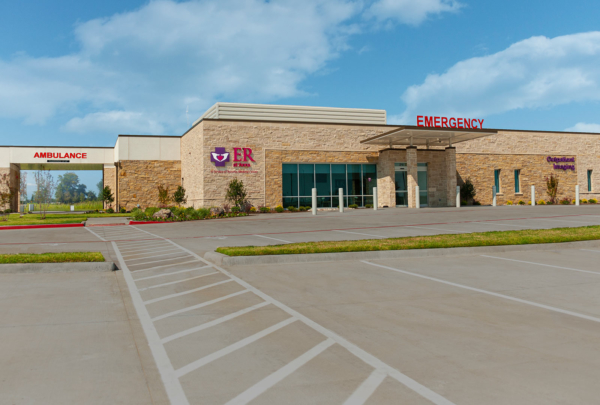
x=122, y=122
x=584, y=127
x=533, y=73
x=166, y=55
x=410, y=11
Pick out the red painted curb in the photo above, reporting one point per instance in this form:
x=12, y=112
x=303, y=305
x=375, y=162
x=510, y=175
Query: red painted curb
x=152, y=222
x=42, y=226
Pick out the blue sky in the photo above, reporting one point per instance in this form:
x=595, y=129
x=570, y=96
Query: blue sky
x=79, y=73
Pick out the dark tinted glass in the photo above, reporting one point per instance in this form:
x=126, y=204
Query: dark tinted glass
x=338, y=178
x=290, y=180
x=322, y=179
x=306, y=179
x=369, y=178
x=354, y=186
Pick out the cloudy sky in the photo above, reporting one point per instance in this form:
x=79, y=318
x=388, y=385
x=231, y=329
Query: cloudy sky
x=79, y=73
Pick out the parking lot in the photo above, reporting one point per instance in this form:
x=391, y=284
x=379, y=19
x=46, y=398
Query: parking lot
x=502, y=328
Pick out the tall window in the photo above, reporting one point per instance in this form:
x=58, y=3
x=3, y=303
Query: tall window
x=356, y=181
x=589, y=180
x=517, y=181
x=497, y=180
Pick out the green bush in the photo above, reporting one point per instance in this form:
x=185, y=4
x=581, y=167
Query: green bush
x=279, y=208
x=252, y=209
x=122, y=210
x=565, y=201
x=583, y=201
x=541, y=202
x=475, y=202
x=203, y=213
x=151, y=211
x=291, y=208
x=265, y=209
x=138, y=215
x=509, y=202
x=521, y=202
x=467, y=190
x=549, y=202
x=110, y=211
x=463, y=202
x=368, y=205
x=592, y=201
x=235, y=210
x=353, y=206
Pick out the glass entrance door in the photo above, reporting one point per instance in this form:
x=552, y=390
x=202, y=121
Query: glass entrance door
x=422, y=182
x=401, y=185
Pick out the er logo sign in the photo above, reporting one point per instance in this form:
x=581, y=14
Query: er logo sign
x=219, y=157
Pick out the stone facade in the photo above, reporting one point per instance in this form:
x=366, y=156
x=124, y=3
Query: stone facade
x=207, y=183
x=585, y=147
x=139, y=181
x=12, y=174
x=534, y=171
x=109, y=176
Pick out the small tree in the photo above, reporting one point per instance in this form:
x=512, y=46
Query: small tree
x=236, y=193
x=45, y=188
x=107, y=196
x=552, y=188
x=179, y=196
x=467, y=190
x=163, y=195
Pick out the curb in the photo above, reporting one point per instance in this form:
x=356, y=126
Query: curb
x=76, y=267
x=41, y=226
x=223, y=260
x=150, y=222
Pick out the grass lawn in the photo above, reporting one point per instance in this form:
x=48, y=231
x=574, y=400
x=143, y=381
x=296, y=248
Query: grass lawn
x=524, y=237
x=52, y=257
x=35, y=219
x=82, y=206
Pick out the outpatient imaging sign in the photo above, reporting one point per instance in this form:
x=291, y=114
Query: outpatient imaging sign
x=562, y=163
x=448, y=122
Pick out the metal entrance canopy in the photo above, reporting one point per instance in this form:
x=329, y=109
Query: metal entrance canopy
x=414, y=136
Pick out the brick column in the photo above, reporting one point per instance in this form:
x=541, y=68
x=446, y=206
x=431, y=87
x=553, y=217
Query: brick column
x=386, y=189
x=13, y=173
x=450, y=156
x=109, y=175
x=411, y=174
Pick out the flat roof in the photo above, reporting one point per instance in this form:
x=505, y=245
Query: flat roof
x=413, y=135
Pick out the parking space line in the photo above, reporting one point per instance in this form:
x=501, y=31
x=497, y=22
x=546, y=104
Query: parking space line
x=178, y=281
x=507, y=297
x=358, y=233
x=129, y=244
x=170, y=249
x=129, y=251
x=197, y=306
x=352, y=348
x=214, y=322
x=280, y=240
x=195, y=365
x=164, y=265
x=150, y=257
x=173, y=272
x=95, y=234
x=166, y=297
x=170, y=381
x=366, y=389
x=269, y=381
x=158, y=261
x=542, y=264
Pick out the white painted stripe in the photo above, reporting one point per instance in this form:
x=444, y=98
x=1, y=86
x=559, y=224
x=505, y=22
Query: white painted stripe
x=130, y=251
x=352, y=348
x=195, y=365
x=280, y=240
x=130, y=244
x=204, y=304
x=366, y=389
x=178, y=281
x=171, y=249
x=214, y=322
x=172, y=384
x=158, y=261
x=173, y=272
x=542, y=264
x=269, y=381
x=358, y=233
x=166, y=297
x=164, y=265
x=507, y=297
x=174, y=252
x=437, y=229
x=95, y=234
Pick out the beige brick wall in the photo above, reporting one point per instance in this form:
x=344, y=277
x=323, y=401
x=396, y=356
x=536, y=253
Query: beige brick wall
x=12, y=173
x=139, y=180
x=586, y=148
x=260, y=137
x=110, y=180
x=534, y=171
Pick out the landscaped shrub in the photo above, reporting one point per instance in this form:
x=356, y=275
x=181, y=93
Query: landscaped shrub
x=291, y=208
x=565, y=201
x=584, y=201
x=368, y=205
x=138, y=215
x=179, y=196
x=541, y=202
x=122, y=210
x=151, y=211
x=226, y=208
x=592, y=201
x=549, y=202
x=353, y=206
x=110, y=211
x=521, y=202
x=463, y=202
x=552, y=188
x=509, y=202
x=467, y=190
x=203, y=213
x=235, y=210
x=475, y=202
x=236, y=193
x=279, y=208
x=264, y=209
x=163, y=195
x=252, y=209
x=303, y=208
